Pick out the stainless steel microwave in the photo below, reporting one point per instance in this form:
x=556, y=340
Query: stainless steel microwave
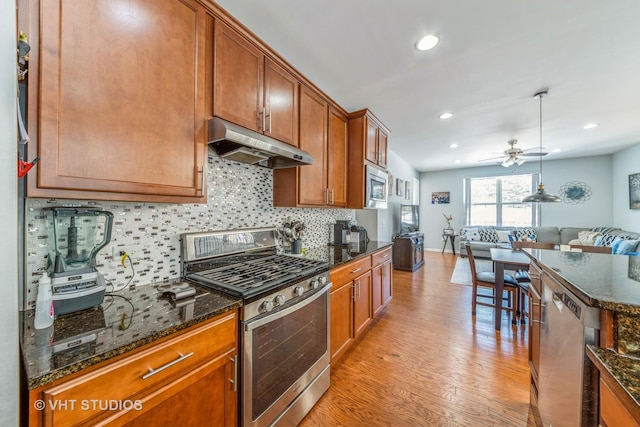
x=375, y=188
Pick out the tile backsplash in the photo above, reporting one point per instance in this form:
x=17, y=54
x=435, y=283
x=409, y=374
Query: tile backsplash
x=239, y=196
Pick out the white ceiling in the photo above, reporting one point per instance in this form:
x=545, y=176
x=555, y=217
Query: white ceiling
x=493, y=57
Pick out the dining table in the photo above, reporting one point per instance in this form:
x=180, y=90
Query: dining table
x=505, y=259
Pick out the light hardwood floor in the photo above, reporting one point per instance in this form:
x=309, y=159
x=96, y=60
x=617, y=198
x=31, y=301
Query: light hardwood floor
x=427, y=362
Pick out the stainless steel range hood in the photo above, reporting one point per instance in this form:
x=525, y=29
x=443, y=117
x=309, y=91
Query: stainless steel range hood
x=236, y=143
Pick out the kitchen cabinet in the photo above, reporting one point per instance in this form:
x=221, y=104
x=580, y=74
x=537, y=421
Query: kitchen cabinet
x=613, y=412
x=252, y=90
x=351, y=289
x=408, y=252
x=381, y=279
x=535, y=318
x=194, y=370
x=368, y=140
x=323, y=134
x=117, y=106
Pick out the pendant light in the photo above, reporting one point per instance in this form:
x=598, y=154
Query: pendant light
x=541, y=196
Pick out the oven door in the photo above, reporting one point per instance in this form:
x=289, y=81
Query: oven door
x=376, y=188
x=285, y=355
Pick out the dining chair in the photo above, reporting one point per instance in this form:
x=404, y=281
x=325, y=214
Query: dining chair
x=488, y=280
x=522, y=276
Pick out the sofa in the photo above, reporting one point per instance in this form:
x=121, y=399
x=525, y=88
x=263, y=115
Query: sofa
x=483, y=238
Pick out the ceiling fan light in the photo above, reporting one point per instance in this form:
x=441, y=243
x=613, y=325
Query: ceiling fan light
x=507, y=162
x=519, y=161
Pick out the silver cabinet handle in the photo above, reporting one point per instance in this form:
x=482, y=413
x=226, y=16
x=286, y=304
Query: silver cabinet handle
x=385, y=256
x=152, y=371
x=269, y=120
x=264, y=119
x=333, y=194
x=202, y=181
x=356, y=270
x=326, y=196
x=234, y=381
x=354, y=292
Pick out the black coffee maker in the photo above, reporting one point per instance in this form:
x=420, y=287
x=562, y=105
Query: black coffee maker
x=342, y=232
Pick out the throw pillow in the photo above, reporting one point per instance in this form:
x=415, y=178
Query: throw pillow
x=470, y=233
x=606, y=239
x=624, y=246
x=588, y=237
x=503, y=236
x=488, y=234
x=526, y=235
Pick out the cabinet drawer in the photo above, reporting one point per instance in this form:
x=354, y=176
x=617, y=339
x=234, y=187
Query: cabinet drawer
x=350, y=271
x=380, y=257
x=133, y=377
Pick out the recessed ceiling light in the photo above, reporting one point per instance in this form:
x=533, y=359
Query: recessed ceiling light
x=454, y=145
x=591, y=125
x=556, y=150
x=457, y=161
x=445, y=116
x=428, y=42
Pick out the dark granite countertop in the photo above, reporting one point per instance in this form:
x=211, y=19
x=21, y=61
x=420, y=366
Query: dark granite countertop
x=624, y=369
x=82, y=339
x=338, y=255
x=605, y=281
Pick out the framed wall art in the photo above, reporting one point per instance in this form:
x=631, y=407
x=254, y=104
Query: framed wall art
x=441, y=197
x=399, y=187
x=407, y=190
x=634, y=191
x=390, y=184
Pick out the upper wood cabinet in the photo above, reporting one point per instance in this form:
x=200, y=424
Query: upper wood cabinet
x=323, y=134
x=251, y=90
x=371, y=136
x=119, y=110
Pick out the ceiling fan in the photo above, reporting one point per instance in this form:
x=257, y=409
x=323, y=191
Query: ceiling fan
x=515, y=156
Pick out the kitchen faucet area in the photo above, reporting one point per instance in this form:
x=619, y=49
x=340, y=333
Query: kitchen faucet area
x=230, y=214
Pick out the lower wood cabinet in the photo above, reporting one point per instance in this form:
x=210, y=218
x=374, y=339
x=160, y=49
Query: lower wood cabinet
x=361, y=288
x=188, y=380
x=612, y=411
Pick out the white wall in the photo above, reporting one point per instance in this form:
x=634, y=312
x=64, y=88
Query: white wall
x=9, y=353
x=595, y=171
x=383, y=224
x=625, y=163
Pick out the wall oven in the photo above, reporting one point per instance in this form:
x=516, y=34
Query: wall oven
x=376, y=181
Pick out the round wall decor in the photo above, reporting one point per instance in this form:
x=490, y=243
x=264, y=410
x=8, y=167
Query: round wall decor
x=575, y=192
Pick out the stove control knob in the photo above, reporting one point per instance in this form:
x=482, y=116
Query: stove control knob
x=266, y=306
x=280, y=299
x=298, y=291
x=313, y=284
x=323, y=280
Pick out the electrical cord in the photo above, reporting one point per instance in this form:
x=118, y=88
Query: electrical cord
x=125, y=256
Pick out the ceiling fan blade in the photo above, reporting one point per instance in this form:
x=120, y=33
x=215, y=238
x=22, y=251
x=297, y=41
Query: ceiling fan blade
x=535, y=154
x=492, y=159
x=538, y=149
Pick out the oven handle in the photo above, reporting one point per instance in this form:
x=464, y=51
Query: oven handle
x=252, y=324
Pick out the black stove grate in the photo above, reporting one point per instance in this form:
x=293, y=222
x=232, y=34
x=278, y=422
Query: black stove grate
x=248, y=276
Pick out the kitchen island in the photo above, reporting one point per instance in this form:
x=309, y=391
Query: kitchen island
x=608, y=285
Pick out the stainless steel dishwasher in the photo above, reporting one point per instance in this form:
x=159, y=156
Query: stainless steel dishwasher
x=567, y=380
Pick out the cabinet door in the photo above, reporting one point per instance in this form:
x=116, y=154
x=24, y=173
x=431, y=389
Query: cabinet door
x=376, y=289
x=337, y=158
x=205, y=396
x=387, y=282
x=362, y=303
x=121, y=102
x=371, y=142
x=313, y=139
x=238, y=72
x=341, y=319
x=281, y=104
x=382, y=148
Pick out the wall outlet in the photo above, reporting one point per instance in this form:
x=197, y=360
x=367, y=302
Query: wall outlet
x=118, y=251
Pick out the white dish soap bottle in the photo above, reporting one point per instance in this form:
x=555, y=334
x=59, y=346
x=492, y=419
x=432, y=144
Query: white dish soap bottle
x=44, y=303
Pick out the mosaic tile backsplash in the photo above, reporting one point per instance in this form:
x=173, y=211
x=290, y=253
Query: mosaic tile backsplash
x=239, y=196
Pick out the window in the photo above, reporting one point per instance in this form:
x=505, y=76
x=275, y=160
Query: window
x=497, y=200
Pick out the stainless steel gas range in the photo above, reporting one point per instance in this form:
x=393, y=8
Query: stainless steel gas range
x=284, y=331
